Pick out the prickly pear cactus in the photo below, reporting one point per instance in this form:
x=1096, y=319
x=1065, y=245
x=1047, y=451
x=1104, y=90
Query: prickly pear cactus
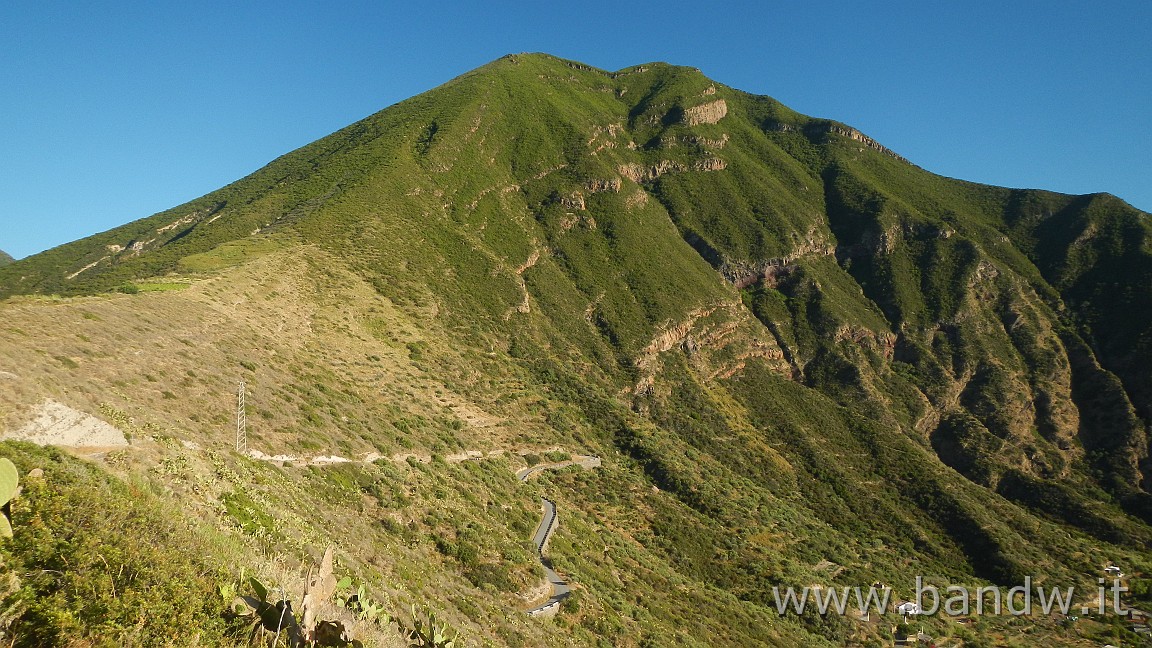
x=9, y=485
x=430, y=634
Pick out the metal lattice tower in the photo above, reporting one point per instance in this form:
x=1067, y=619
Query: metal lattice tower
x=241, y=422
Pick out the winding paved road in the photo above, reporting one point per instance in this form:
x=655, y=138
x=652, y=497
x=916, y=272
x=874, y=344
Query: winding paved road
x=560, y=588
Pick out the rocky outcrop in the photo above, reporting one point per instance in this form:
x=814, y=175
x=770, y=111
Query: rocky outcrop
x=672, y=335
x=600, y=186
x=604, y=137
x=573, y=201
x=710, y=164
x=532, y=259
x=179, y=222
x=164, y=234
x=697, y=142
x=708, y=113
x=572, y=219
x=743, y=274
x=549, y=171
x=875, y=242
x=705, y=142
x=884, y=341
x=639, y=173
x=818, y=128
x=576, y=200
x=740, y=362
x=525, y=306
x=717, y=342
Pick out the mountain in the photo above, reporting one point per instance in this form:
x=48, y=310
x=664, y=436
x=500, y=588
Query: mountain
x=802, y=360
x=4, y=258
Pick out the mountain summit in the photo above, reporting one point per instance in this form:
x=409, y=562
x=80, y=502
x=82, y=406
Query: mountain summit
x=802, y=358
x=5, y=258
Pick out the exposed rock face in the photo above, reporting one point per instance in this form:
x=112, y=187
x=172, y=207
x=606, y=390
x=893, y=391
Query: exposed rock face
x=710, y=164
x=884, y=341
x=718, y=342
x=503, y=189
x=818, y=128
x=640, y=173
x=87, y=267
x=852, y=134
x=672, y=335
x=570, y=220
x=164, y=234
x=745, y=274
x=599, y=186
x=532, y=259
x=604, y=137
x=179, y=222
x=525, y=305
x=573, y=201
x=705, y=142
x=708, y=113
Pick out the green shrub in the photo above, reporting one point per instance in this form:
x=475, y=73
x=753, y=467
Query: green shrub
x=80, y=581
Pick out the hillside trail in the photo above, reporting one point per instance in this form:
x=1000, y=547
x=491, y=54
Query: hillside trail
x=457, y=457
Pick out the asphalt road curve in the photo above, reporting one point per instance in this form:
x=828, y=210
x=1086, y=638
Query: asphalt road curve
x=560, y=589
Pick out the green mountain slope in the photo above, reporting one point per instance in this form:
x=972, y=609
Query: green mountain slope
x=804, y=359
x=5, y=259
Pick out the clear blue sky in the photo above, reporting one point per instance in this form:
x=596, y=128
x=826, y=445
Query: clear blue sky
x=109, y=112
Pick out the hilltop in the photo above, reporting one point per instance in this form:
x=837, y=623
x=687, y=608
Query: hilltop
x=5, y=259
x=803, y=360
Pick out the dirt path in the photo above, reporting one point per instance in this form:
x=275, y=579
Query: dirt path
x=402, y=457
x=587, y=461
